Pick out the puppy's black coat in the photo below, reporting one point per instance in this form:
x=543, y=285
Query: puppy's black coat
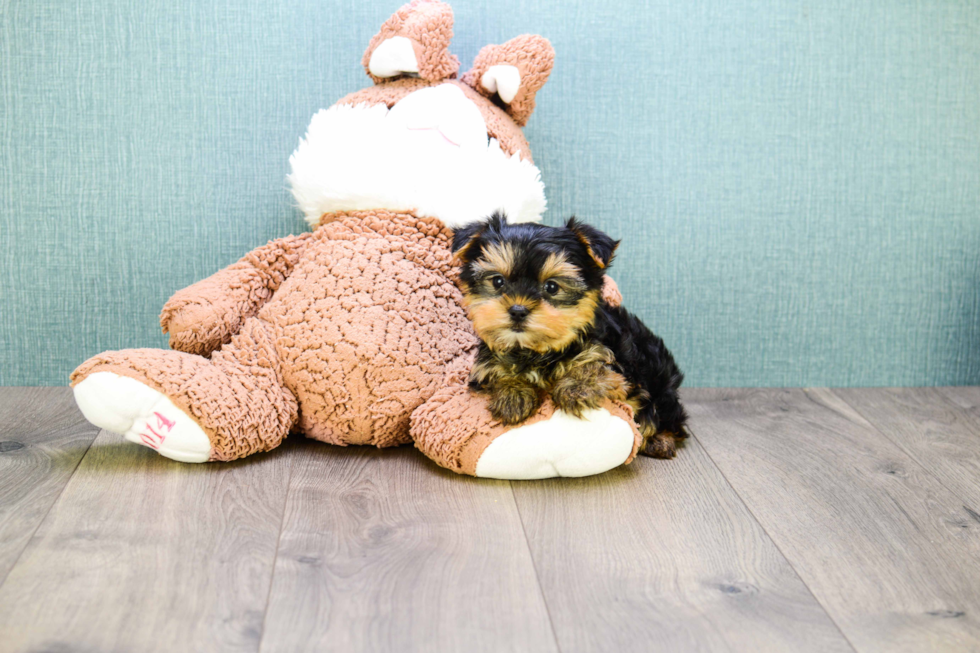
x=534, y=294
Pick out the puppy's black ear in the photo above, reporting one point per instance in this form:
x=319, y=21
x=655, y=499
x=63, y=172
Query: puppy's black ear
x=465, y=237
x=601, y=248
x=497, y=221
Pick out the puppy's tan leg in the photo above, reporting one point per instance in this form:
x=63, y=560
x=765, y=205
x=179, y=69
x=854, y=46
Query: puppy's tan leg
x=586, y=381
x=587, y=388
x=512, y=401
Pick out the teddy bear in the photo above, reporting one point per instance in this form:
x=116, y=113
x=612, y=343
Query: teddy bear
x=354, y=333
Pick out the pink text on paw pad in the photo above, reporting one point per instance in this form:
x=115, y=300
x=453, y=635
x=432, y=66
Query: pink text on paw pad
x=154, y=439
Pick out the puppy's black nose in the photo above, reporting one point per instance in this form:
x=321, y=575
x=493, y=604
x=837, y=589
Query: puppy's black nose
x=518, y=312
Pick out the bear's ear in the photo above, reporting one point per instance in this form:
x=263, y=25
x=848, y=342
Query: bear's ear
x=413, y=42
x=600, y=247
x=514, y=72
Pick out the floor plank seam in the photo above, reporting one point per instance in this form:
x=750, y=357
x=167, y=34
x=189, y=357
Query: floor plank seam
x=54, y=502
x=275, y=556
x=789, y=562
x=898, y=445
x=534, y=566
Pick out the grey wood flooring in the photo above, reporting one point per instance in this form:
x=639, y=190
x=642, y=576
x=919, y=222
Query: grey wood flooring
x=792, y=520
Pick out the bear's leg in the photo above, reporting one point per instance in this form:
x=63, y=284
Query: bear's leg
x=187, y=407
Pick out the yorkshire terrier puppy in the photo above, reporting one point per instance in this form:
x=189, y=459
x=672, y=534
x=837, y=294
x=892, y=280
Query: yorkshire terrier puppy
x=534, y=295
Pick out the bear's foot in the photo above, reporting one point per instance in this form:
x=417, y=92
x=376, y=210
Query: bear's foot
x=561, y=445
x=142, y=415
x=456, y=430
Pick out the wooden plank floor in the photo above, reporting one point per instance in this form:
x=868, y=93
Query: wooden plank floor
x=793, y=520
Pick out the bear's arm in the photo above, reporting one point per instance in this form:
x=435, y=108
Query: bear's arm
x=204, y=316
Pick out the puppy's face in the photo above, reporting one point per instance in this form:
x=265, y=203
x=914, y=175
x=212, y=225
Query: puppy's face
x=531, y=286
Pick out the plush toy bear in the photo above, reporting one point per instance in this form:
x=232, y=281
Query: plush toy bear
x=354, y=333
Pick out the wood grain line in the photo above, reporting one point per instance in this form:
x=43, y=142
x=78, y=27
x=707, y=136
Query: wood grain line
x=933, y=429
x=43, y=437
x=878, y=540
x=534, y=567
x=145, y=554
x=382, y=550
x=664, y=556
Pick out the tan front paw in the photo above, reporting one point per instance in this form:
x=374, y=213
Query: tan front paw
x=575, y=396
x=513, y=404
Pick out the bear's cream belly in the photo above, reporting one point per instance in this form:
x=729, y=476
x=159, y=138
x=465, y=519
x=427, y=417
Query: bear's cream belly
x=364, y=331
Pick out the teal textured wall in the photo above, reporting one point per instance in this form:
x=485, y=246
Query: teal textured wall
x=797, y=184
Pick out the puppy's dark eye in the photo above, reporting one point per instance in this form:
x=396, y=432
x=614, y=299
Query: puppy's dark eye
x=552, y=288
x=497, y=281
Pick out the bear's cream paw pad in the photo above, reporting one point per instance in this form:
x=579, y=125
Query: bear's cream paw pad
x=142, y=415
x=562, y=445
